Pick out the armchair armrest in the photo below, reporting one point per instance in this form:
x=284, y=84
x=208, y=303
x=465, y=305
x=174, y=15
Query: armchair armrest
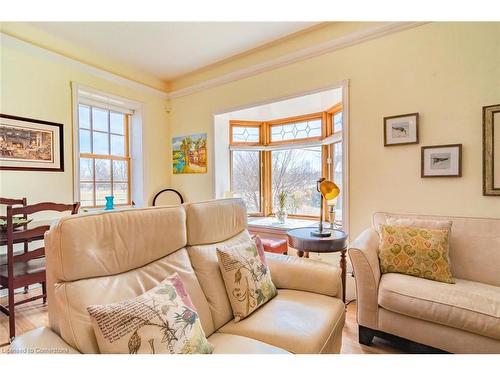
x=40, y=341
x=363, y=253
x=305, y=274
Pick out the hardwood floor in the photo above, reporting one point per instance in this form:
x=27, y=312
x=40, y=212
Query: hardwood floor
x=34, y=314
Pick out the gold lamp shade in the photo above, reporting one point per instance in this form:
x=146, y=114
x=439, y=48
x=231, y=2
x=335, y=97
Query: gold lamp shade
x=329, y=190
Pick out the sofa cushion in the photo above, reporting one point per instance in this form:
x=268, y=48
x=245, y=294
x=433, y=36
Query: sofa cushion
x=246, y=277
x=112, y=242
x=206, y=265
x=162, y=320
x=233, y=344
x=71, y=299
x=421, y=223
x=215, y=221
x=299, y=322
x=465, y=305
x=415, y=251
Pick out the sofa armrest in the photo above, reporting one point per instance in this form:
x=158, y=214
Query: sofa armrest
x=363, y=253
x=305, y=274
x=40, y=341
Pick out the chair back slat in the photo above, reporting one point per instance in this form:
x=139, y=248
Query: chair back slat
x=32, y=254
x=45, y=206
x=13, y=201
x=30, y=234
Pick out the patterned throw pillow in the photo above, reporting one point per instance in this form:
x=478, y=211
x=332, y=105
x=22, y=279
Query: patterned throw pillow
x=246, y=277
x=162, y=320
x=415, y=251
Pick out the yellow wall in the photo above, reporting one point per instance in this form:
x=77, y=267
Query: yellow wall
x=444, y=71
x=30, y=33
x=36, y=87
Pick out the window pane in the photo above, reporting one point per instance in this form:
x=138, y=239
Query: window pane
x=296, y=130
x=85, y=141
x=120, y=193
x=337, y=178
x=295, y=172
x=116, y=122
x=337, y=122
x=101, y=143
x=117, y=145
x=100, y=119
x=103, y=170
x=246, y=134
x=245, y=178
x=87, y=194
x=101, y=191
x=120, y=170
x=84, y=116
x=86, y=169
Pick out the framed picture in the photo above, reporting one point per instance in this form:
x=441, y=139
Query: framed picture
x=189, y=154
x=401, y=130
x=28, y=144
x=441, y=161
x=491, y=150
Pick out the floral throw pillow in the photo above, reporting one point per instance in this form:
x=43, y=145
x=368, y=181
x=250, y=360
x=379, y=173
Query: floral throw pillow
x=415, y=251
x=162, y=320
x=246, y=277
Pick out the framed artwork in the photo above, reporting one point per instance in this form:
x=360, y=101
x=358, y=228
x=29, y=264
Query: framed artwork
x=28, y=144
x=401, y=129
x=441, y=161
x=491, y=150
x=189, y=154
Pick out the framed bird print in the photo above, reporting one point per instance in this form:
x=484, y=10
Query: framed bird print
x=401, y=129
x=441, y=161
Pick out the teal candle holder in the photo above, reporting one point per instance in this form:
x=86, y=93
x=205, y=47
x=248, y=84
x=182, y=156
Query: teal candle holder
x=109, y=203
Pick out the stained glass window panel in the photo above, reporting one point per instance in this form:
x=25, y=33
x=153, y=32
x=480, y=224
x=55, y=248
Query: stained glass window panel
x=296, y=131
x=245, y=134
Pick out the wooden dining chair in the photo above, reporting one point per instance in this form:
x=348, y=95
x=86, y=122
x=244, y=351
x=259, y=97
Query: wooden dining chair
x=14, y=202
x=28, y=268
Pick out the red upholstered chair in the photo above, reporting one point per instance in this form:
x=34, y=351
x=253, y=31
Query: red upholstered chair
x=275, y=245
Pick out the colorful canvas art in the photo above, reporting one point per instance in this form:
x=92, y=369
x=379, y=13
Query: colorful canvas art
x=189, y=154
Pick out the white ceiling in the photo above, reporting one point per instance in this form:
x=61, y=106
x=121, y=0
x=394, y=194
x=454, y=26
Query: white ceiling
x=310, y=103
x=170, y=49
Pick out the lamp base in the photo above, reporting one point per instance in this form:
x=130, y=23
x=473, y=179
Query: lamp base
x=323, y=233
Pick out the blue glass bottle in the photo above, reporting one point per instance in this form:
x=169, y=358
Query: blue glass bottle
x=109, y=203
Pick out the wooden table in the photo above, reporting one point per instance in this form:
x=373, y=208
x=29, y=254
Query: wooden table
x=302, y=240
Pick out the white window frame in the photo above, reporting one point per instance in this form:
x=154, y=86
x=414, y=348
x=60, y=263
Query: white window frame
x=82, y=94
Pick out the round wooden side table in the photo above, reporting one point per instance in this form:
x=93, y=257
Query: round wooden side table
x=302, y=240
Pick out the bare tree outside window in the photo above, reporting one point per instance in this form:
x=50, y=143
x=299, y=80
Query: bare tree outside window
x=337, y=177
x=246, y=178
x=295, y=172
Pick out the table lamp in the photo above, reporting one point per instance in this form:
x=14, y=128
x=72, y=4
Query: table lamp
x=329, y=190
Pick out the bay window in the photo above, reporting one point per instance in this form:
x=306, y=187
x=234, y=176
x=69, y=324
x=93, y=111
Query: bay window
x=286, y=155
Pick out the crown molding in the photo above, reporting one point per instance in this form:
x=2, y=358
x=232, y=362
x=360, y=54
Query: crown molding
x=13, y=42
x=303, y=54
x=300, y=55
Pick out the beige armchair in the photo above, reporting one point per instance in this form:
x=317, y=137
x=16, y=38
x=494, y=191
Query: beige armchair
x=461, y=318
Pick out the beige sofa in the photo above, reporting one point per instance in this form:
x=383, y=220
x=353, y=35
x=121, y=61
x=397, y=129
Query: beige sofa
x=460, y=318
x=113, y=256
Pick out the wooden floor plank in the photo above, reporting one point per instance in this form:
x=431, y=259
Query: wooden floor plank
x=34, y=314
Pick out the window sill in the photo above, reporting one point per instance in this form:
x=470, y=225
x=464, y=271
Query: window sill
x=271, y=222
x=100, y=209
